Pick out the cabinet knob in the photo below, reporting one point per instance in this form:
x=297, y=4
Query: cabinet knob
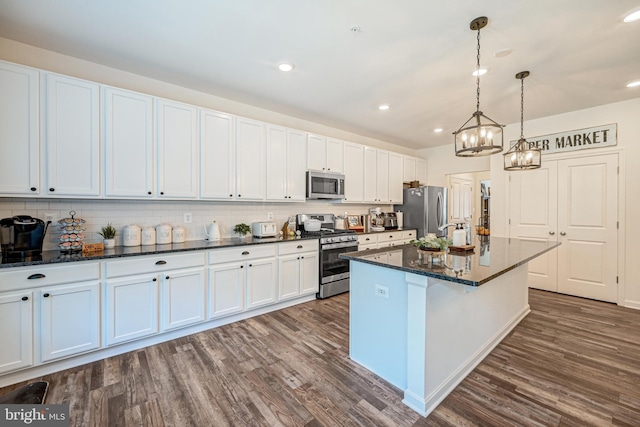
x=46, y=295
x=250, y=265
x=552, y=233
x=302, y=257
x=52, y=189
x=239, y=195
x=155, y=279
x=562, y=233
x=36, y=276
x=167, y=277
x=298, y=257
x=33, y=188
x=161, y=262
x=25, y=298
x=162, y=193
x=230, y=195
x=242, y=266
x=149, y=192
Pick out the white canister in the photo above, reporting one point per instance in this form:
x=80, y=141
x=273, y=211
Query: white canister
x=178, y=234
x=148, y=236
x=163, y=234
x=400, y=217
x=131, y=235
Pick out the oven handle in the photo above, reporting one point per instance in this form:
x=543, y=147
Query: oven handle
x=340, y=246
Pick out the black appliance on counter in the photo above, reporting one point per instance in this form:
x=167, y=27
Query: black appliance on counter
x=21, y=238
x=390, y=221
x=334, y=271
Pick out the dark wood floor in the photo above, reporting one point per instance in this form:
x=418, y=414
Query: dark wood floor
x=570, y=362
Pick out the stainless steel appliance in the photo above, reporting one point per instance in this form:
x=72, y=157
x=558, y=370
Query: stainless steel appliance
x=325, y=185
x=390, y=221
x=21, y=237
x=424, y=208
x=334, y=272
x=376, y=220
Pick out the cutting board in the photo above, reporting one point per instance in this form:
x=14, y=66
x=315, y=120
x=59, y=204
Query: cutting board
x=462, y=248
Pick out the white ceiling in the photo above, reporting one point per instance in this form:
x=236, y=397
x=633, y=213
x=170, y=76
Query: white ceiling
x=416, y=55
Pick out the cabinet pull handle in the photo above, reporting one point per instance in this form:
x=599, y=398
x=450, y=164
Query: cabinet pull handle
x=161, y=262
x=245, y=253
x=367, y=239
x=25, y=298
x=33, y=188
x=551, y=233
x=46, y=295
x=36, y=276
x=299, y=246
x=562, y=233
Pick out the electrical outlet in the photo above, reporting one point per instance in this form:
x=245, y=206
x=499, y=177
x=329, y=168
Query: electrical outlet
x=51, y=216
x=382, y=291
x=269, y=215
x=188, y=218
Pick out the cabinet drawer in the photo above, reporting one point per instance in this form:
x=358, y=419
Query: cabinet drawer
x=298, y=246
x=367, y=247
x=389, y=237
x=22, y=278
x=367, y=239
x=152, y=264
x=409, y=234
x=242, y=253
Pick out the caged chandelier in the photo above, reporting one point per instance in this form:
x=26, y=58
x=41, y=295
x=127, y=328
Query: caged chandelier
x=478, y=136
x=521, y=156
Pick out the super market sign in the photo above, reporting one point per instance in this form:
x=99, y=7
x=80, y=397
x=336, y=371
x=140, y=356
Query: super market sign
x=581, y=139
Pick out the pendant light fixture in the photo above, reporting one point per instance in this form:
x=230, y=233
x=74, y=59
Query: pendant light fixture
x=521, y=156
x=478, y=136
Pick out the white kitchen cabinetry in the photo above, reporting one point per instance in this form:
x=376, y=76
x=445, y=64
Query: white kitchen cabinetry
x=177, y=147
x=16, y=329
x=395, y=167
x=325, y=154
x=370, y=174
x=226, y=289
x=409, y=169
x=354, y=173
x=217, y=155
x=250, y=159
x=298, y=267
x=286, y=154
x=421, y=171
x=183, y=298
x=261, y=282
x=19, y=131
x=70, y=319
x=128, y=144
x=72, y=137
x=382, y=176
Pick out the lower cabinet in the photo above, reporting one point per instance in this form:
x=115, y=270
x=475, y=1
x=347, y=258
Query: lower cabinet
x=226, y=289
x=16, y=329
x=183, y=298
x=298, y=275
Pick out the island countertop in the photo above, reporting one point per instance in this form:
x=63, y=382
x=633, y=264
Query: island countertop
x=488, y=260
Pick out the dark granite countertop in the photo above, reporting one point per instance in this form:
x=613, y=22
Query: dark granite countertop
x=54, y=257
x=488, y=260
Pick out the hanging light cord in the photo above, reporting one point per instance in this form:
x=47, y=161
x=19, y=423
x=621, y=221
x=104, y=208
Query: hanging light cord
x=522, y=108
x=478, y=74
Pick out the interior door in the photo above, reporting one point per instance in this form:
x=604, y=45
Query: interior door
x=587, y=225
x=533, y=198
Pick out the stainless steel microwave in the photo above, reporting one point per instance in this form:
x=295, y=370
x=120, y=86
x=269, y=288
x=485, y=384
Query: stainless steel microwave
x=325, y=185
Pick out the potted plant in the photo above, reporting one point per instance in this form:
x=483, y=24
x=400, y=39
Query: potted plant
x=241, y=230
x=108, y=233
x=433, y=246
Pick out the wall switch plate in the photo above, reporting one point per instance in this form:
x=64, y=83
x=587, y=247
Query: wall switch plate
x=51, y=216
x=188, y=218
x=382, y=291
x=269, y=215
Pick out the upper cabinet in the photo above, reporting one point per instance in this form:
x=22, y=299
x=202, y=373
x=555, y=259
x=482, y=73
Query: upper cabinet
x=177, y=145
x=128, y=144
x=395, y=178
x=19, y=136
x=217, y=154
x=250, y=159
x=286, y=154
x=354, y=181
x=72, y=137
x=415, y=169
x=325, y=154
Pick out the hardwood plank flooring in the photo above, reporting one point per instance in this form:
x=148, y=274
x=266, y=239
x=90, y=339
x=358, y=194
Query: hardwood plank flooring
x=570, y=362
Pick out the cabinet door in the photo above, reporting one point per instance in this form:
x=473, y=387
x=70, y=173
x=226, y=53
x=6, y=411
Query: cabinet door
x=226, y=289
x=277, y=163
x=177, y=150
x=19, y=130
x=395, y=178
x=288, y=277
x=421, y=171
x=132, y=308
x=261, y=282
x=309, y=273
x=250, y=159
x=409, y=169
x=354, y=173
x=217, y=153
x=370, y=175
x=296, y=165
x=183, y=298
x=72, y=136
x=335, y=155
x=461, y=203
x=70, y=320
x=316, y=152
x=16, y=330
x=382, y=177
x=128, y=143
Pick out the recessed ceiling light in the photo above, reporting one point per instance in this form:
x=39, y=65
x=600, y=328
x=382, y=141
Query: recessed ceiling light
x=437, y=130
x=383, y=107
x=634, y=84
x=480, y=72
x=632, y=17
x=286, y=67
x=502, y=52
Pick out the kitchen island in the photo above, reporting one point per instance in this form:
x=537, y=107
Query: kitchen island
x=424, y=326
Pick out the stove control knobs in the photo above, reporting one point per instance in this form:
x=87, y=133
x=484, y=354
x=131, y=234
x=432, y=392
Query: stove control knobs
x=329, y=240
x=345, y=238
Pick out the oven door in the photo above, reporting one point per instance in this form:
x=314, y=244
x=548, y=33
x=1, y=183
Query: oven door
x=333, y=268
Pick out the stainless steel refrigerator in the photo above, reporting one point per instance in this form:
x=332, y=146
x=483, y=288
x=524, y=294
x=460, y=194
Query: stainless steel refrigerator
x=424, y=208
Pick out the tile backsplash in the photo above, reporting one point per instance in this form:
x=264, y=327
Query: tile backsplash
x=97, y=213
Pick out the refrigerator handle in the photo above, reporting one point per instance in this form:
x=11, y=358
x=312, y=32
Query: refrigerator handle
x=439, y=207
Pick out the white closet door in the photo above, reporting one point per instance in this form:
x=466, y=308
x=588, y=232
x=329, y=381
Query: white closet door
x=587, y=225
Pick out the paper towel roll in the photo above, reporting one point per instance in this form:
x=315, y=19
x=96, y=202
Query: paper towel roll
x=399, y=216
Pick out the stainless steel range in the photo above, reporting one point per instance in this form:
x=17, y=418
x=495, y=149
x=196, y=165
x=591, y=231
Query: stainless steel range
x=334, y=272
